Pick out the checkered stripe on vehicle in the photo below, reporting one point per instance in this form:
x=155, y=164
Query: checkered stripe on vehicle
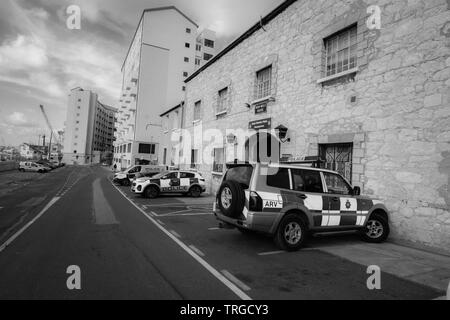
x=326, y=211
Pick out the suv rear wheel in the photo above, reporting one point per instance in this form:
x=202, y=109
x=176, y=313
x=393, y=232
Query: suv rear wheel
x=291, y=233
x=231, y=199
x=195, y=192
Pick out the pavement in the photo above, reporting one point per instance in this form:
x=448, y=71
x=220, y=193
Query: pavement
x=169, y=248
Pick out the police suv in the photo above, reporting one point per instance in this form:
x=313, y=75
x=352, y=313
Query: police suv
x=289, y=202
x=183, y=182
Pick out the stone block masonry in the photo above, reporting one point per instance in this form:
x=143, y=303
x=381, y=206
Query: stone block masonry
x=394, y=110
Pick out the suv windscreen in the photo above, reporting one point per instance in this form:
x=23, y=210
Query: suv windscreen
x=307, y=181
x=241, y=175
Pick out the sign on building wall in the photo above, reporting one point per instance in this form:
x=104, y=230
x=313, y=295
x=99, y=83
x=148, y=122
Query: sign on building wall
x=260, y=124
x=261, y=108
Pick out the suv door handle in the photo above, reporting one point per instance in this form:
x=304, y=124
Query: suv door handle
x=336, y=199
x=302, y=196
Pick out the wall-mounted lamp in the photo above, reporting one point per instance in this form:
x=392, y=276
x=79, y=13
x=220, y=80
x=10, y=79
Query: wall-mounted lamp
x=231, y=139
x=282, y=133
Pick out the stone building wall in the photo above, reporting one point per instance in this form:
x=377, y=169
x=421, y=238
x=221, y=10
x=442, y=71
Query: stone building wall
x=395, y=110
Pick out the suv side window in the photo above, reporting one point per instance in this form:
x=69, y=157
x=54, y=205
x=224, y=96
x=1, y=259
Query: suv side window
x=280, y=179
x=172, y=175
x=187, y=175
x=337, y=185
x=307, y=181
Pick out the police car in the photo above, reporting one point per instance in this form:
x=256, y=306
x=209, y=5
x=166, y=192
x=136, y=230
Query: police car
x=289, y=202
x=170, y=182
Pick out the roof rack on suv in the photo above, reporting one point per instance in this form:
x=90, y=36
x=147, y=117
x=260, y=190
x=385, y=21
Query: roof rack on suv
x=316, y=162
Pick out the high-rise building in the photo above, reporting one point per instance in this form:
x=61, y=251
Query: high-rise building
x=161, y=56
x=205, y=48
x=89, y=134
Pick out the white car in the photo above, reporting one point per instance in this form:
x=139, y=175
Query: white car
x=183, y=182
x=33, y=167
x=124, y=178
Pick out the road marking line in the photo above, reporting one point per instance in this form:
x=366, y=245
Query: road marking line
x=214, y=229
x=175, y=233
x=236, y=281
x=168, y=215
x=29, y=224
x=270, y=253
x=197, y=251
x=230, y=285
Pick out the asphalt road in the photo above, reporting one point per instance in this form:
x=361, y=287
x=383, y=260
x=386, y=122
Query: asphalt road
x=131, y=248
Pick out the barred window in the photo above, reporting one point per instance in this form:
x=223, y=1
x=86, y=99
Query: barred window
x=197, y=110
x=222, y=101
x=341, y=51
x=264, y=83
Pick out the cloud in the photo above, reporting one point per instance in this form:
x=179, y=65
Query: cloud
x=18, y=119
x=23, y=52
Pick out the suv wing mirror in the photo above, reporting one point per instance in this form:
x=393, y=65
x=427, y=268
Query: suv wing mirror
x=357, y=191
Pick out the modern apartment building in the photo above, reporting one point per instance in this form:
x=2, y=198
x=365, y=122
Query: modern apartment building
x=161, y=56
x=205, y=47
x=89, y=134
x=321, y=81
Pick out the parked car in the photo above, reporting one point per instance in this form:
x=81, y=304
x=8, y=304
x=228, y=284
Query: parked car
x=170, y=182
x=33, y=167
x=144, y=174
x=124, y=178
x=47, y=163
x=289, y=202
x=57, y=163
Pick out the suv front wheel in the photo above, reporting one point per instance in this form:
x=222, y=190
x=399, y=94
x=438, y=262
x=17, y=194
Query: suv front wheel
x=377, y=229
x=291, y=233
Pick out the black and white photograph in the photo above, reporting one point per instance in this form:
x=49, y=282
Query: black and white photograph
x=225, y=156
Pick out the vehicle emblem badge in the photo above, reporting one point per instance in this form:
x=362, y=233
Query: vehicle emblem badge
x=348, y=204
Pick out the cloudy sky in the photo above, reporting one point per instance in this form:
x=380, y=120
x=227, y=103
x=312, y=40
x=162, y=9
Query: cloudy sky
x=41, y=59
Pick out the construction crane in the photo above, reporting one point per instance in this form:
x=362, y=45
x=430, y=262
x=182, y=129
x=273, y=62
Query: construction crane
x=51, y=130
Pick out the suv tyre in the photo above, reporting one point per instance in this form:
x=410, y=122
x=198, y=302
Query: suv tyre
x=291, y=233
x=377, y=229
x=151, y=192
x=231, y=199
